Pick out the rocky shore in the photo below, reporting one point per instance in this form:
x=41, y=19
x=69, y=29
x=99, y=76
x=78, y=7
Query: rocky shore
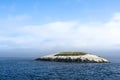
x=73, y=57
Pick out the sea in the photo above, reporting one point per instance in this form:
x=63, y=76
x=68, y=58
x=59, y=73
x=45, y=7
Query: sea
x=29, y=69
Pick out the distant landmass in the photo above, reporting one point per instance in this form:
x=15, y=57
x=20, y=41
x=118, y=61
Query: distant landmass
x=79, y=57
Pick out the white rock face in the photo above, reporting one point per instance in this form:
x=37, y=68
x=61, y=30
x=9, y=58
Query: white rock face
x=87, y=58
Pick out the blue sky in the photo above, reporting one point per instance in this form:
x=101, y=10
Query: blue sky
x=39, y=26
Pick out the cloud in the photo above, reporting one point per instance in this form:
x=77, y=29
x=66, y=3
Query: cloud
x=12, y=20
x=66, y=35
x=18, y=18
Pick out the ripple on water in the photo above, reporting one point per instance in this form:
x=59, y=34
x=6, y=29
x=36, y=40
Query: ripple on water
x=32, y=70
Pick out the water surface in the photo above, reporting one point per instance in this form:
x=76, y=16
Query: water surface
x=28, y=69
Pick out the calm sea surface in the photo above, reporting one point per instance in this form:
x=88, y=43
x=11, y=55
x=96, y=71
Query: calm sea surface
x=28, y=69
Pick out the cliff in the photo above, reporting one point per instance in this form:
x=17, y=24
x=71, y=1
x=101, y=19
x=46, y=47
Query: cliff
x=79, y=57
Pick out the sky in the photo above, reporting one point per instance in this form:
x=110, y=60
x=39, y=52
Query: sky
x=39, y=27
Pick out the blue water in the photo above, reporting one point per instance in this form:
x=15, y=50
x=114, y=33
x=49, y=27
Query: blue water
x=28, y=69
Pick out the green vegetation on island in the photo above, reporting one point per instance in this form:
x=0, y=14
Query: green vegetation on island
x=70, y=53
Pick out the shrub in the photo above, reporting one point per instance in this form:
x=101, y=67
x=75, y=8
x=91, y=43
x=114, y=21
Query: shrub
x=70, y=53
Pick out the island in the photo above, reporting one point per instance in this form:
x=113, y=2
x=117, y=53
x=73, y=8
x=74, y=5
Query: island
x=79, y=57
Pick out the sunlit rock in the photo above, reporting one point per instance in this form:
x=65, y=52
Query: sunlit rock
x=79, y=57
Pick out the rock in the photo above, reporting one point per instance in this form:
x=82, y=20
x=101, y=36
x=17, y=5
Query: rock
x=74, y=57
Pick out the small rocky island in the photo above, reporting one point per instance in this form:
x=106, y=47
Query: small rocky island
x=79, y=57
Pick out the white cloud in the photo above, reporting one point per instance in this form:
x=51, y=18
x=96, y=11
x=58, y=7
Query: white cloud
x=22, y=17
x=12, y=21
x=71, y=34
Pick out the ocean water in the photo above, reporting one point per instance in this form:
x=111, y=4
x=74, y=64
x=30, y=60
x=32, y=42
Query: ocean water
x=28, y=69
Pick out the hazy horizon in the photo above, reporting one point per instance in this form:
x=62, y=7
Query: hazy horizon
x=33, y=28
